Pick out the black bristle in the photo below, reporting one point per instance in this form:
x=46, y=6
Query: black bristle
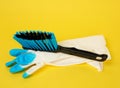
x=32, y=35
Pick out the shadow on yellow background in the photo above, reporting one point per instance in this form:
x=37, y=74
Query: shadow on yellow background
x=67, y=19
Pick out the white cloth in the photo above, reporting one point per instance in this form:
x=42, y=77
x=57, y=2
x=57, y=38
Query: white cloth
x=95, y=44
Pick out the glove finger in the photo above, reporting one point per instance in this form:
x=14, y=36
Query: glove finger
x=16, y=68
x=10, y=63
x=32, y=69
x=17, y=52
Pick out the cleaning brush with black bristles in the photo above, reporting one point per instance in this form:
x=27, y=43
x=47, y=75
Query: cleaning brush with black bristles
x=46, y=41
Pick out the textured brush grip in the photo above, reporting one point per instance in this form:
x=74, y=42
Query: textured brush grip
x=82, y=53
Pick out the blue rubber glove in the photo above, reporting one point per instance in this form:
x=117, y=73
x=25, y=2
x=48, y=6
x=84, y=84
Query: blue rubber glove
x=23, y=60
x=34, y=60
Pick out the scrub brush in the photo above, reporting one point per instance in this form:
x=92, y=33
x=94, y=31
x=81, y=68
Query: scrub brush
x=46, y=41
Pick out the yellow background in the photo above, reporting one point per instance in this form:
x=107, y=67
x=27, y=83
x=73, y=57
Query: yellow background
x=67, y=19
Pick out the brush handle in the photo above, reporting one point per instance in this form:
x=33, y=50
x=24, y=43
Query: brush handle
x=83, y=53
